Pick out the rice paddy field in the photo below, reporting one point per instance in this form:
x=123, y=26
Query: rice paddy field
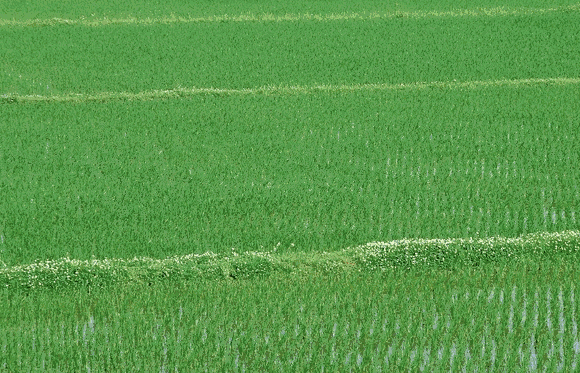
x=289, y=186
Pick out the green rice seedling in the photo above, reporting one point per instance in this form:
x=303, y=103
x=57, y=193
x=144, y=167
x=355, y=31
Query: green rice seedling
x=469, y=189
x=417, y=221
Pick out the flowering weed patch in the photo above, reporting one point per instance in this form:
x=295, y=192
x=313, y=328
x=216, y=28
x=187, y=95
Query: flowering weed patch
x=409, y=255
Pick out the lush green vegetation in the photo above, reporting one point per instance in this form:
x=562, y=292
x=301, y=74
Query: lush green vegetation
x=323, y=171
x=373, y=257
x=493, y=316
x=20, y=10
x=299, y=186
x=135, y=58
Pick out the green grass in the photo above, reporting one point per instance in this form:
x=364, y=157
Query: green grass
x=303, y=322
x=131, y=58
x=69, y=9
x=323, y=171
x=304, y=186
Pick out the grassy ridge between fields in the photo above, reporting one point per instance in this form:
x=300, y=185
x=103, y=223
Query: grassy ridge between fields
x=288, y=17
x=403, y=255
x=12, y=98
x=89, y=12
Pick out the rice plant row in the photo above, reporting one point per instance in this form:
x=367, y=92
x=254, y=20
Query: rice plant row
x=337, y=323
x=415, y=168
x=323, y=172
x=129, y=58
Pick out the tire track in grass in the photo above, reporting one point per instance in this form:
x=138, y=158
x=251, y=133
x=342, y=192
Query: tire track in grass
x=279, y=90
x=290, y=17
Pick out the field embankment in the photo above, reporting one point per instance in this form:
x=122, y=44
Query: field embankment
x=403, y=256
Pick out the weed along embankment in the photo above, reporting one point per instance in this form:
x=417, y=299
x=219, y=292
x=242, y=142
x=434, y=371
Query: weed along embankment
x=401, y=255
x=245, y=309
